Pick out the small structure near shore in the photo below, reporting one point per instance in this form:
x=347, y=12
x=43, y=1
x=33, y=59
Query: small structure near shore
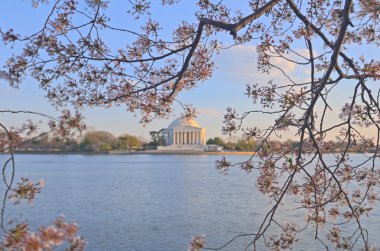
x=214, y=148
x=183, y=135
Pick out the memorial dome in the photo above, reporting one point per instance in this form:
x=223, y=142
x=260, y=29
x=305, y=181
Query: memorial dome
x=183, y=122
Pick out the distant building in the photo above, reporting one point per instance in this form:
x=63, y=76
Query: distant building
x=183, y=135
x=214, y=148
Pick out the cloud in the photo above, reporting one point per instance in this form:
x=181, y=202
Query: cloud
x=285, y=65
x=208, y=111
x=238, y=64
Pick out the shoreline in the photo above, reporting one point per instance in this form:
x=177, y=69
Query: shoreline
x=151, y=152
x=146, y=152
x=184, y=153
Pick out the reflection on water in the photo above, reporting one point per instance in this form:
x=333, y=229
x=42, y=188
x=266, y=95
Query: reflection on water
x=150, y=202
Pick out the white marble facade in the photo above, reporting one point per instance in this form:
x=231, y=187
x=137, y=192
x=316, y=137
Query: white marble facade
x=183, y=134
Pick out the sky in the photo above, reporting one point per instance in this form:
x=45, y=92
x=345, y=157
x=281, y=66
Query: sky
x=235, y=68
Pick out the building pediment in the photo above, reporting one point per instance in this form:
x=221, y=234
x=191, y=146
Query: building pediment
x=187, y=128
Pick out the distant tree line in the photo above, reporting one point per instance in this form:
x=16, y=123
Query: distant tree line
x=103, y=141
x=250, y=145
x=94, y=141
x=241, y=145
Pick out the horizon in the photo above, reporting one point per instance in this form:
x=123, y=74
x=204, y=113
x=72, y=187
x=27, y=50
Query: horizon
x=234, y=68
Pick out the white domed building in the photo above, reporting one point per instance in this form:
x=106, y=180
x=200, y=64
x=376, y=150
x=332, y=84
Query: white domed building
x=184, y=135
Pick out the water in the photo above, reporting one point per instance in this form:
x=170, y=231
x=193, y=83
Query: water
x=148, y=202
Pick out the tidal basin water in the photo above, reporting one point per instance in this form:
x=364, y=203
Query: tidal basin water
x=152, y=202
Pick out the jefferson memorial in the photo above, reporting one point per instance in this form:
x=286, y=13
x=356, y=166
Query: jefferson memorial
x=183, y=135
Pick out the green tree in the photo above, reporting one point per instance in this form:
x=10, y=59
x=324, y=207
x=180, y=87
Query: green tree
x=128, y=142
x=105, y=148
x=98, y=141
x=230, y=146
x=156, y=138
x=216, y=141
x=123, y=143
x=246, y=145
x=134, y=142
